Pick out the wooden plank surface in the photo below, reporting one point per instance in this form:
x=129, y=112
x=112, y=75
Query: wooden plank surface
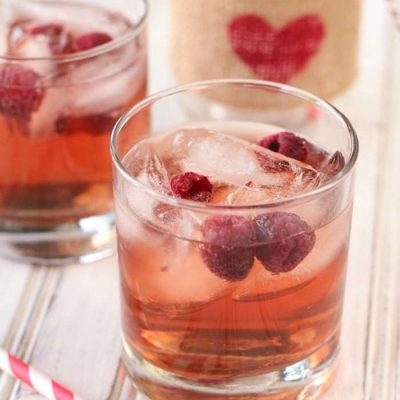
x=13, y=285
x=382, y=362
x=364, y=107
x=79, y=340
x=66, y=321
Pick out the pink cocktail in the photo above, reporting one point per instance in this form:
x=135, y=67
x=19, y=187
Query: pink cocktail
x=67, y=72
x=232, y=240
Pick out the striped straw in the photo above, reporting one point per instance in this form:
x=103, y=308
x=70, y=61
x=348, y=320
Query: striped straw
x=36, y=380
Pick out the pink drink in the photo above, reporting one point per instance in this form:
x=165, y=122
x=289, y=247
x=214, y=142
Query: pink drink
x=232, y=241
x=181, y=316
x=67, y=72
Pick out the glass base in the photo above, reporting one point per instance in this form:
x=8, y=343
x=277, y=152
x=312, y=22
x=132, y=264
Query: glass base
x=83, y=241
x=306, y=379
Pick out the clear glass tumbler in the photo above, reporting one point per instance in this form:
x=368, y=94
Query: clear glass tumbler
x=193, y=325
x=68, y=70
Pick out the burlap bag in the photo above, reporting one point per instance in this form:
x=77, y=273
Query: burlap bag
x=310, y=44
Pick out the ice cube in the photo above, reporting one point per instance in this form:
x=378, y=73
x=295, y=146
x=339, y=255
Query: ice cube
x=174, y=274
x=7, y=13
x=148, y=169
x=104, y=83
x=31, y=48
x=43, y=122
x=332, y=165
x=22, y=44
x=263, y=285
x=248, y=194
x=234, y=164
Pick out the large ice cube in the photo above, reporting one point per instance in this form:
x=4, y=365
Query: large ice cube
x=22, y=44
x=149, y=170
x=43, y=122
x=148, y=167
x=104, y=83
x=31, y=48
x=172, y=274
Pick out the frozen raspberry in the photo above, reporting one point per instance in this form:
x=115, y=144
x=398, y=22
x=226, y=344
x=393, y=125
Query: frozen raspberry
x=192, y=186
x=287, y=240
x=59, y=39
x=90, y=40
x=20, y=91
x=228, y=252
x=286, y=143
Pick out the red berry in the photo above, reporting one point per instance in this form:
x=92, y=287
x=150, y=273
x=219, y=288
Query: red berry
x=286, y=143
x=20, y=91
x=191, y=186
x=227, y=250
x=287, y=240
x=90, y=40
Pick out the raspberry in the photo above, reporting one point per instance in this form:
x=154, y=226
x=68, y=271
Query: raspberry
x=286, y=143
x=228, y=252
x=90, y=40
x=287, y=240
x=192, y=186
x=20, y=91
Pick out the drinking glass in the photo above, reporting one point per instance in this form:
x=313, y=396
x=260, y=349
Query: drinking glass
x=188, y=331
x=68, y=70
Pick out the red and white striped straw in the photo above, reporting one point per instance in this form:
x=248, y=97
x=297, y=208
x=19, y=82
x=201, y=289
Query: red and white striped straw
x=36, y=380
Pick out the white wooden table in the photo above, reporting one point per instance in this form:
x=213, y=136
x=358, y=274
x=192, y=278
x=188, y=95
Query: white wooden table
x=65, y=321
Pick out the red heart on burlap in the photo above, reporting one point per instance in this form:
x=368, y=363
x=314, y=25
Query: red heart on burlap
x=276, y=54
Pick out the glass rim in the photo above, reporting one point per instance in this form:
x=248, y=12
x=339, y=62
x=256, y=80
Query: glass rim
x=274, y=86
x=96, y=51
